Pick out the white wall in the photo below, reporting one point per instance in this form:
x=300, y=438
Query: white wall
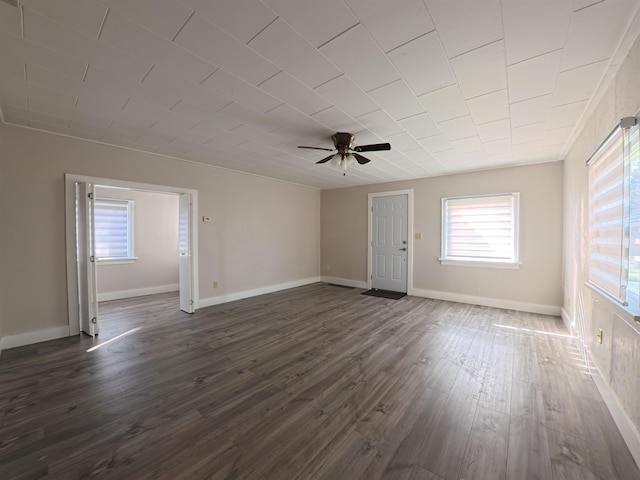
x=264, y=233
x=618, y=357
x=536, y=286
x=155, y=238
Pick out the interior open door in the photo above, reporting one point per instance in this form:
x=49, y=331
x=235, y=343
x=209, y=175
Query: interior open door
x=185, y=260
x=86, y=261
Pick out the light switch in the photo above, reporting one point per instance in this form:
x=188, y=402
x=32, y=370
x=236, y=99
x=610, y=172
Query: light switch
x=418, y=236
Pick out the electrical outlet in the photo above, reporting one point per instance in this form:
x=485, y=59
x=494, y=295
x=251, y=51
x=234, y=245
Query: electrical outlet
x=215, y=284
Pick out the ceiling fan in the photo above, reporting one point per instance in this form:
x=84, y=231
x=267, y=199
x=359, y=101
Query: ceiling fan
x=346, y=153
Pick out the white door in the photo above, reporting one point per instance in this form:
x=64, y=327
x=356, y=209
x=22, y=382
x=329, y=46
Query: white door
x=185, y=260
x=86, y=261
x=389, y=243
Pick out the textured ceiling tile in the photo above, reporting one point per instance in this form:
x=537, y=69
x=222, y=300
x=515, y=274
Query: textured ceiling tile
x=389, y=25
x=319, y=22
x=579, y=83
x=242, y=19
x=534, y=110
x=286, y=48
x=238, y=90
x=465, y=25
x=347, y=96
x=164, y=17
x=534, y=28
x=46, y=33
x=403, y=142
x=213, y=44
x=337, y=120
x=467, y=145
x=481, y=71
x=423, y=64
x=445, y=104
x=497, y=130
x=490, y=107
x=566, y=115
x=498, y=146
x=128, y=36
x=380, y=123
x=528, y=133
x=27, y=51
x=112, y=84
x=81, y=16
x=609, y=19
x=295, y=93
x=357, y=55
x=436, y=143
x=10, y=22
x=534, y=77
x=397, y=100
x=420, y=126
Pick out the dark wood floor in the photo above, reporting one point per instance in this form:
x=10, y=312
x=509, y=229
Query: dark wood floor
x=317, y=382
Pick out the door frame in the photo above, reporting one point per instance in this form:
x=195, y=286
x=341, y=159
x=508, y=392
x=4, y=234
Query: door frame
x=371, y=196
x=70, y=236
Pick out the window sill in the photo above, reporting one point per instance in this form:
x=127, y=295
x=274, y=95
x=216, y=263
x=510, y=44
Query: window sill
x=631, y=315
x=116, y=261
x=480, y=263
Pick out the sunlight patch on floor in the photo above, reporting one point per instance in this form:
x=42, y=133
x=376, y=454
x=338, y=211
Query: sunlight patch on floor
x=95, y=347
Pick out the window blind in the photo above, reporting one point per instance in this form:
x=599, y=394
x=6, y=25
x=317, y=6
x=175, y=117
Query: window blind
x=112, y=219
x=480, y=228
x=608, y=228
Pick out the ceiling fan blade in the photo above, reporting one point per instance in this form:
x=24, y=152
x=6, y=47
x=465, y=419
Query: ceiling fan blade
x=373, y=147
x=361, y=160
x=317, y=148
x=325, y=160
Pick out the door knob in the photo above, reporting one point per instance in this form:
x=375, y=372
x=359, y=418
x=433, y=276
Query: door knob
x=404, y=249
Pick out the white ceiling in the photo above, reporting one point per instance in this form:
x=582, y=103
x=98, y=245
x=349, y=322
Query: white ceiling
x=452, y=85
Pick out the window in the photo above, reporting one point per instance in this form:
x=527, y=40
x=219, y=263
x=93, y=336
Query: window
x=481, y=229
x=614, y=215
x=113, y=229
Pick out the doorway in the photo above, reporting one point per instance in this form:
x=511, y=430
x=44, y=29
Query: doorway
x=390, y=229
x=81, y=256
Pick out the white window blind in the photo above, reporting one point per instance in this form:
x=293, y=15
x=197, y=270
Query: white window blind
x=113, y=229
x=608, y=231
x=480, y=228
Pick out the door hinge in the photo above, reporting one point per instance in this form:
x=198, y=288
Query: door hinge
x=92, y=258
x=94, y=320
x=371, y=277
x=90, y=195
x=191, y=302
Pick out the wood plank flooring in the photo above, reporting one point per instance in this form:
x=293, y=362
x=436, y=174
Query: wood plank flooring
x=316, y=382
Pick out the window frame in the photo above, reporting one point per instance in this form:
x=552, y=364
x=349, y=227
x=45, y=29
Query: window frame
x=628, y=300
x=130, y=257
x=513, y=263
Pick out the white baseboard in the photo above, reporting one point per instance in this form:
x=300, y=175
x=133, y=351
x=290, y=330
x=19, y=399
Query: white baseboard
x=138, y=292
x=487, y=302
x=567, y=320
x=626, y=427
x=37, y=336
x=208, y=302
x=345, y=282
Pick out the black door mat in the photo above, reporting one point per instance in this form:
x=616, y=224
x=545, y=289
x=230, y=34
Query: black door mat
x=385, y=294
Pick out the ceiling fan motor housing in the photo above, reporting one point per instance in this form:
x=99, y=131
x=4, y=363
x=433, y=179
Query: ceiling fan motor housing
x=343, y=142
